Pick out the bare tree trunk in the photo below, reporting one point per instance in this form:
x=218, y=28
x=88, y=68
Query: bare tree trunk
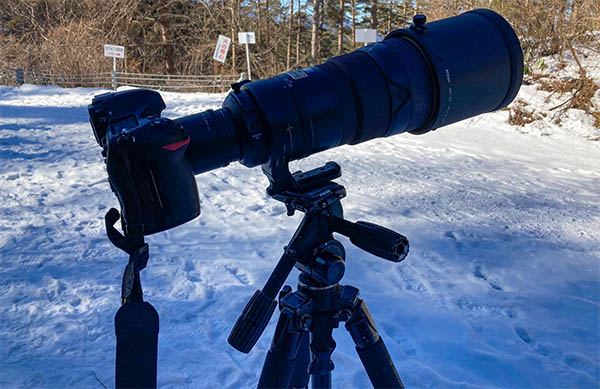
x=320, y=36
x=268, y=23
x=259, y=24
x=290, y=28
x=389, y=16
x=233, y=37
x=169, y=49
x=298, y=32
x=272, y=62
x=314, y=42
x=374, y=14
x=354, y=24
x=341, y=29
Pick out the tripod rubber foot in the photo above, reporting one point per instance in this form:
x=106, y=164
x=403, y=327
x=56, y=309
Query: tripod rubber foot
x=252, y=322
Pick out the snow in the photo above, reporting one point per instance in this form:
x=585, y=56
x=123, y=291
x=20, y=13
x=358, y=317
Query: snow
x=501, y=287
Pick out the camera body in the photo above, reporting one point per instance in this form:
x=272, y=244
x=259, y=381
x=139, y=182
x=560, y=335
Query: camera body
x=144, y=156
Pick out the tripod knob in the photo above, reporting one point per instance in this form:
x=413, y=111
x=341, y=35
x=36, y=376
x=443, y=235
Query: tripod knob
x=328, y=268
x=382, y=242
x=328, y=262
x=377, y=240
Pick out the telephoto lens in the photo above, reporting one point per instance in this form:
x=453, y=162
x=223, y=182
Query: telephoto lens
x=415, y=80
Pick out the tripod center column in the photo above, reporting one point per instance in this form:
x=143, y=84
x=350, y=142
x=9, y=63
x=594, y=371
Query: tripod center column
x=323, y=321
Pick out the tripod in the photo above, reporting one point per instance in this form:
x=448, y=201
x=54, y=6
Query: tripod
x=309, y=315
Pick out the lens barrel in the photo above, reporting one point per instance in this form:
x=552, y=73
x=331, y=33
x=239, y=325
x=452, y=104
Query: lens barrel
x=416, y=80
x=476, y=60
x=214, y=140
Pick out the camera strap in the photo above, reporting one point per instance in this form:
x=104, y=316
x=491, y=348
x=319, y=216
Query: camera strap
x=136, y=321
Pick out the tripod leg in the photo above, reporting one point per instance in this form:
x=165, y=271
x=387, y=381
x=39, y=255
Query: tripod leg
x=281, y=357
x=300, y=375
x=371, y=349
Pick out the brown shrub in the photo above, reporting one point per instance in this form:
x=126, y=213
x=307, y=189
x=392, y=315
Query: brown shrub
x=73, y=48
x=519, y=115
x=582, y=91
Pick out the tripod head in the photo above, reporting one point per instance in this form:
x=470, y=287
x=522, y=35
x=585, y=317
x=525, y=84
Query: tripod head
x=312, y=249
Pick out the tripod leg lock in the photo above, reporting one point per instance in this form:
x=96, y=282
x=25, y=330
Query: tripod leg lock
x=321, y=363
x=371, y=349
x=362, y=327
x=287, y=336
x=282, y=368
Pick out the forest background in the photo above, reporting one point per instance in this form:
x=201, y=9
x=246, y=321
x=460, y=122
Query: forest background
x=179, y=36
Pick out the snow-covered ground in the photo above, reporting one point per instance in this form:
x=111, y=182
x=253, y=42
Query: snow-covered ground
x=501, y=287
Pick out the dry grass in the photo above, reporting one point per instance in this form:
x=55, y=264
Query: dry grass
x=581, y=93
x=520, y=115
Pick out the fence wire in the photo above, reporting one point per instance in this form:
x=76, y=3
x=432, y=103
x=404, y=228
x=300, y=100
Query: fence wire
x=183, y=83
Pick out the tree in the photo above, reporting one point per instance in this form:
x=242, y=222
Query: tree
x=340, y=22
x=290, y=32
x=316, y=27
x=179, y=36
x=373, y=10
x=353, y=24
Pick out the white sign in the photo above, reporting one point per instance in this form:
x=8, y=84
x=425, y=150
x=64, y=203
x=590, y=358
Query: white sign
x=365, y=35
x=222, y=48
x=114, y=51
x=246, y=37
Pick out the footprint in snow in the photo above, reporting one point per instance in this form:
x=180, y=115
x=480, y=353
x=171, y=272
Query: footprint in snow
x=255, y=208
x=581, y=363
x=278, y=210
x=523, y=335
x=240, y=275
x=189, y=268
x=539, y=348
x=393, y=332
x=478, y=273
x=461, y=247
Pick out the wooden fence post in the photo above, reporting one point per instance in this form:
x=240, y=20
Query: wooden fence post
x=20, y=76
x=115, y=80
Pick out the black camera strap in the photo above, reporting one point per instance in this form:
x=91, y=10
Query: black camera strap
x=136, y=321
